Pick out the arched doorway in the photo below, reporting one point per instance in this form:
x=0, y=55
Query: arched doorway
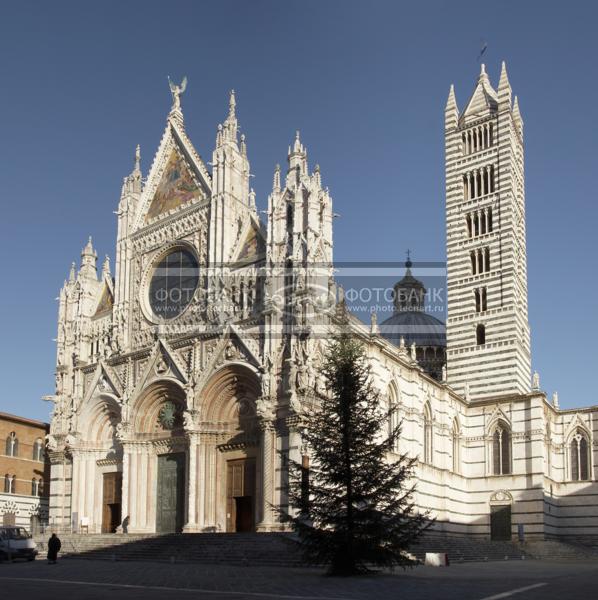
x=500, y=516
x=157, y=463
x=98, y=473
x=228, y=405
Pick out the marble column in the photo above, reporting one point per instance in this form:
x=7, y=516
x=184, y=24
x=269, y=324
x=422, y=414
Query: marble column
x=192, y=525
x=123, y=527
x=268, y=451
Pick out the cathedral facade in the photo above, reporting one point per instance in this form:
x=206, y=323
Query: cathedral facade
x=182, y=377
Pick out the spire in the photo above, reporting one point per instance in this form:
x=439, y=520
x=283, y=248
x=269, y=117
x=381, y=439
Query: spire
x=137, y=167
x=409, y=292
x=276, y=181
x=72, y=272
x=132, y=183
x=504, y=88
x=230, y=126
x=297, y=147
x=88, y=260
x=106, y=267
x=517, y=115
x=252, y=205
x=232, y=104
x=298, y=156
x=451, y=111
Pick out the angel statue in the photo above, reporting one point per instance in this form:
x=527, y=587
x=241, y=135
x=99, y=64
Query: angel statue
x=176, y=91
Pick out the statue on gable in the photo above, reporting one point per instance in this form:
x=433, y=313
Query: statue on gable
x=176, y=91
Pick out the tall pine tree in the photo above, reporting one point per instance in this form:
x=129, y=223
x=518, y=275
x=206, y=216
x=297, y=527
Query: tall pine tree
x=353, y=508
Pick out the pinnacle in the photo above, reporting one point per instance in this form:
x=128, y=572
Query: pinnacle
x=232, y=104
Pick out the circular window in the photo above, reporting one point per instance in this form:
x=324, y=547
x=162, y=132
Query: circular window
x=173, y=283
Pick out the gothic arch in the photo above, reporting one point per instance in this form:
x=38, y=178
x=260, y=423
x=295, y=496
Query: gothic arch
x=579, y=455
x=228, y=401
x=500, y=450
x=151, y=410
x=98, y=419
x=393, y=402
x=456, y=444
x=428, y=441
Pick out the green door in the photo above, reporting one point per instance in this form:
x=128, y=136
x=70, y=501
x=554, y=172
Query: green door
x=170, y=508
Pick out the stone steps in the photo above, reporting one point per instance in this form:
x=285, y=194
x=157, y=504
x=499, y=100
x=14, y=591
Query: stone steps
x=559, y=550
x=467, y=549
x=278, y=549
x=275, y=549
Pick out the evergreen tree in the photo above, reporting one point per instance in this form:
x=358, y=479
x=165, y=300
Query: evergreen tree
x=353, y=508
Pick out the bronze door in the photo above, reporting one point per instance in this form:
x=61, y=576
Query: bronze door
x=500, y=522
x=111, y=503
x=240, y=495
x=170, y=508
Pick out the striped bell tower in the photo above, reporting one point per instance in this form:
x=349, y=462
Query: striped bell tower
x=488, y=338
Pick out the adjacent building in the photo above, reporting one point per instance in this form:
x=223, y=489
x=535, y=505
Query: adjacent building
x=25, y=472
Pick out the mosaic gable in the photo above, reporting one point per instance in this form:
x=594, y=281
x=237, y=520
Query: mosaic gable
x=177, y=187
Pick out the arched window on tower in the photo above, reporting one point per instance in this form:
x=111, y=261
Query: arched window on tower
x=579, y=456
x=428, y=442
x=501, y=450
x=35, y=487
x=7, y=484
x=480, y=334
x=456, y=434
x=12, y=444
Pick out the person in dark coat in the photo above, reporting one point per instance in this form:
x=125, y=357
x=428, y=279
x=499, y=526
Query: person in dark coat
x=53, y=549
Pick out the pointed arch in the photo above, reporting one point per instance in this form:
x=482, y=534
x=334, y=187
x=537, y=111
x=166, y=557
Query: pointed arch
x=456, y=443
x=428, y=444
x=166, y=395
x=393, y=400
x=97, y=423
x=579, y=459
x=501, y=448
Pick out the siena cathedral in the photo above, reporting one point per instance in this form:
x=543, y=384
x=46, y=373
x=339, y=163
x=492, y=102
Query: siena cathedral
x=182, y=377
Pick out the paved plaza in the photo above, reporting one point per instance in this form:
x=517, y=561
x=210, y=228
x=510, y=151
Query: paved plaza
x=88, y=580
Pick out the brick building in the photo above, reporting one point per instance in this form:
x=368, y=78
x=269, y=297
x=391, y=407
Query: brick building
x=24, y=472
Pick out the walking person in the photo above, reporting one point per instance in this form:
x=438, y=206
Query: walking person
x=53, y=549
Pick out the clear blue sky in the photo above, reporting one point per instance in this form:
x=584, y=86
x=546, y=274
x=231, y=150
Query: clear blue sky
x=365, y=82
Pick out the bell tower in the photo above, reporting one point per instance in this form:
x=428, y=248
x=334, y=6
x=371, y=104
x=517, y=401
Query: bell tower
x=488, y=337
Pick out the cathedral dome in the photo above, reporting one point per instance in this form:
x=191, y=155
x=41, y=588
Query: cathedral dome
x=414, y=327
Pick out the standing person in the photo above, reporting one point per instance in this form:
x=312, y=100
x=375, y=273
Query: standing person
x=53, y=549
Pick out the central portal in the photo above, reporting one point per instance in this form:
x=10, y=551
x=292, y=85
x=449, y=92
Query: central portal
x=240, y=495
x=170, y=498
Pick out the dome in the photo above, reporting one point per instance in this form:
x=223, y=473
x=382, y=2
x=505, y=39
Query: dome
x=414, y=326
